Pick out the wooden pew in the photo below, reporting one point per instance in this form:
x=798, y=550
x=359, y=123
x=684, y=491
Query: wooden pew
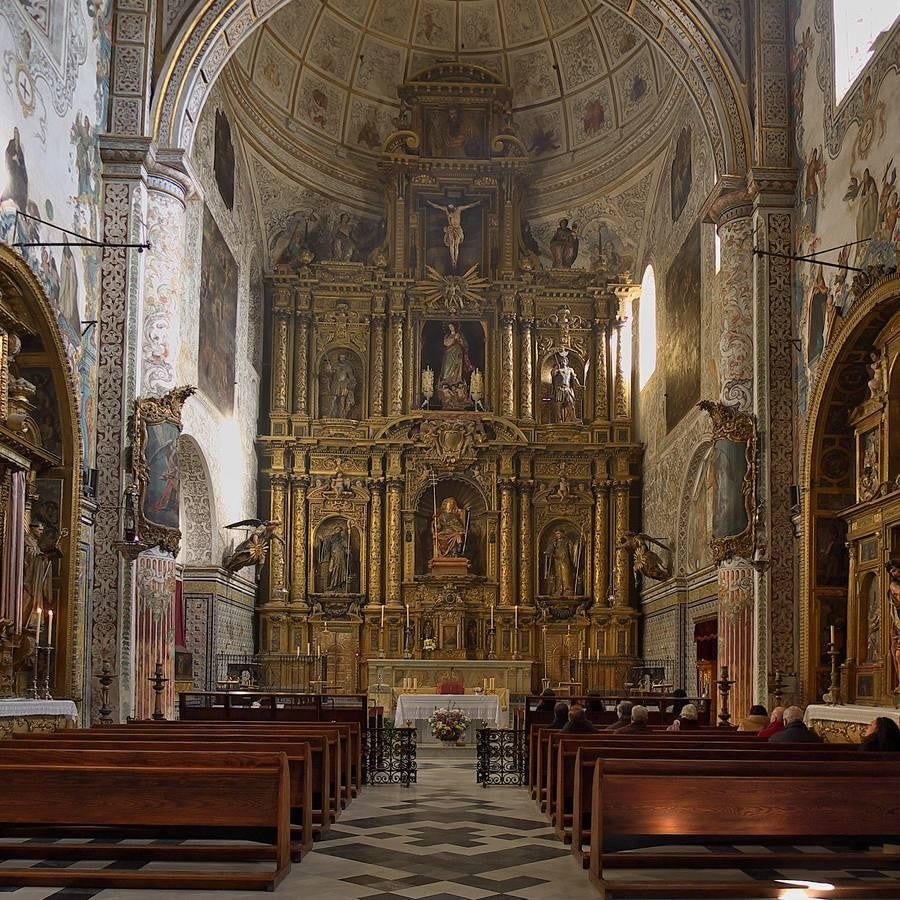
x=326, y=768
x=299, y=756
x=716, y=801
x=579, y=799
x=126, y=789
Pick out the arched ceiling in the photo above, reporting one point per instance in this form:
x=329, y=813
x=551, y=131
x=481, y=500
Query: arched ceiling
x=319, y=78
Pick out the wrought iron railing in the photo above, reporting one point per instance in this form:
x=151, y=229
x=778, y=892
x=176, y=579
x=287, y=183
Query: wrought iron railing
x=501, y=756
x=389, y=756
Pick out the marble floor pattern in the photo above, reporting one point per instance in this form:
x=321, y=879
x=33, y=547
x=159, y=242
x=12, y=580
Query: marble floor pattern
x=440, y=839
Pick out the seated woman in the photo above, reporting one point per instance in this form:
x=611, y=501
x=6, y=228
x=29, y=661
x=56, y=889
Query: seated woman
x=756, y=721
x=687, y=719
x=882, y=736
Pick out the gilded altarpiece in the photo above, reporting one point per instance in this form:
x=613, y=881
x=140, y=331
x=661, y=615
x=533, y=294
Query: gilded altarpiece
x=449, y=441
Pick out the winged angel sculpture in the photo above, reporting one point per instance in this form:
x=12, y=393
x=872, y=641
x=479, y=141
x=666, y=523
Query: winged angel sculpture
x=647, y=561
x=253, y=549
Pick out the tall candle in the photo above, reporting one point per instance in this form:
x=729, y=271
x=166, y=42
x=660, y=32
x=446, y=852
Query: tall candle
x=492, y=615
x=40, y=620
x=307, y=649
x=382, y=615
x=298, y=650
x=407, y=615
x=516, y=618
x=832, y=634
x=50, y=628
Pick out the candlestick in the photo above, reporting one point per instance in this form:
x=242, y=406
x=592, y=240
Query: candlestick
x=407, y=615
x=298, y=651
x=40, y=621
x=318, y=649
x=307, y=649
x=516, y=618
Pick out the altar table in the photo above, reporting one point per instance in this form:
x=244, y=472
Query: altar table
x=31, y=716
x=845, y=723
x=416, y=707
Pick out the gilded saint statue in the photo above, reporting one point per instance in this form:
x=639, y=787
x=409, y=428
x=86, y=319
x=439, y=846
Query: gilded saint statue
x=563, y=381
x=562, y=558
x=893, y=570
x=646, y=560
x=453, y=232
x=37, y=581
x=338, y=387
x=334, y=559
x=456, y=370
x=450, y=529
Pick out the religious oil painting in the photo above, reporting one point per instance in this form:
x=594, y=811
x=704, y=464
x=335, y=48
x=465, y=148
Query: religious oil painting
x=453, y=364
x=223, y=161
x=729, y=467
x=160, y=452
x=832, y=559
x=682, y=339
x=455, y=133
x=218, y=314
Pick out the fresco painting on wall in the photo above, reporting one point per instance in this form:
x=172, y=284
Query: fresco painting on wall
x=815, y=342
x=223, y=163
x=682, y=341
x=682, y=176
x=218, y=315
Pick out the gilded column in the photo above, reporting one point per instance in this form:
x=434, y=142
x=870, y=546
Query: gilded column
x=397, y=320
x=621, y=491
x=299, y=543
x=601, y=540
x=280, y=372
x=279, y=513
x=507, y=367
x=301, y=365
x=525, y=542
x=507, y=558
x=377, y=365
x=375, y=544
x=601, y=371
x=526, y=370
x=394, y=540
x=619, y=389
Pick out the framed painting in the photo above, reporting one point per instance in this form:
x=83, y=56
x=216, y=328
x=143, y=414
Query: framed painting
x=157, y=427
x=733, y=468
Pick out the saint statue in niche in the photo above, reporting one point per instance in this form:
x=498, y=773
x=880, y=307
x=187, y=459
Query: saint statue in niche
x=451, y=525
x=561, y=562
x=563, y=380
x=564, y=245
x=893, y=570
x=456, y=369
x=37, y=581
x=334, y=558
x=338, y=387
x=453, y=232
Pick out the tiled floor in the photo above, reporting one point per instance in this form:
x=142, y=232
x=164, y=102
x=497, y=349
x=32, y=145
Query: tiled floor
x=442, y=838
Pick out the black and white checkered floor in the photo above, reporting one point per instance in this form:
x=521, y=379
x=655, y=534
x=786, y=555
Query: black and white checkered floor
x=441, y=839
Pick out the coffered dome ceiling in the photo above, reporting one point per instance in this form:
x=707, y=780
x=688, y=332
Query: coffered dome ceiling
x=319, y=79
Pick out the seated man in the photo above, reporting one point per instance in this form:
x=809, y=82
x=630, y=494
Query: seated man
x=757, y=720
x=578, y=722
x=794, y=731
x=623, y=711
x=560, y=715
x=639, y=715
x=776, y=723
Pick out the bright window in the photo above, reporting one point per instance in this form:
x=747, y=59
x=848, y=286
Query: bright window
x=647, y=327
x=857, y=24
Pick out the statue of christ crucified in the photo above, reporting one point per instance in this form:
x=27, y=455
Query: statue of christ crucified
x=453, y=233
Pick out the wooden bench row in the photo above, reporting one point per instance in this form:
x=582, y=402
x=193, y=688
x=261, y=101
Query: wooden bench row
x=267, y=789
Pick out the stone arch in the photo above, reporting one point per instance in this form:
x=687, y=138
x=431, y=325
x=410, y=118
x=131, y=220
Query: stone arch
x=197, y=51
x=199, y=540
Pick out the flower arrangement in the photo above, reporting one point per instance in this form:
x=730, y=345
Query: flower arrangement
x=429, y=644
x=449, y=724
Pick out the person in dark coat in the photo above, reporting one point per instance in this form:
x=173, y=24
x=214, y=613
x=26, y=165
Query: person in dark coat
x=882, y=736
x=639, y=716
x=794, y=731
x=623, y=711
x=560, y=715
x=548, y=701
x=578, y=722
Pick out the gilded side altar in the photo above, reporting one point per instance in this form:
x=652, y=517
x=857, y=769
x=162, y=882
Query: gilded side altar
x=450, y=441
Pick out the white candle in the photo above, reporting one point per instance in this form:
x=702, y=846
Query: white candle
x=516, y=618
x=298, y=650
x=318, y=649
x=492, y=615
x=407, y=615
x=382, y=615
x=50, y=628
x=307, y=648
x=40, y=620
x=832, y=632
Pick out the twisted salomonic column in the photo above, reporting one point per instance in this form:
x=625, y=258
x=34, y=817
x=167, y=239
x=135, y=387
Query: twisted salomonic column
x=507, y=557
x=507, y=367
x=279, y=512
x=394, y=542
x=376, y=572
x=601, y=371
x=601, y=540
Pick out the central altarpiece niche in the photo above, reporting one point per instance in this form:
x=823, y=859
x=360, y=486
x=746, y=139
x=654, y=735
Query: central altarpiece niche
x=449, y=447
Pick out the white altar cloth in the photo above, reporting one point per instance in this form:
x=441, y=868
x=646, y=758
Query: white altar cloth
x=16, y=708
x=415, y=707
x=848, y=712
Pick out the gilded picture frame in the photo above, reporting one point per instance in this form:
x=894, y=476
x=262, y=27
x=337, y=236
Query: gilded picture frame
x=734, y=442
x=156, y=429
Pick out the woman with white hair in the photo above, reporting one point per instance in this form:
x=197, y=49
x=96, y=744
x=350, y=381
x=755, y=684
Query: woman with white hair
x=687, y=719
